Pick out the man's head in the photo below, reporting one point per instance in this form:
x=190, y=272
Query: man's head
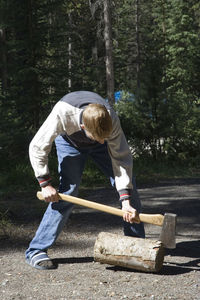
x=97, y=122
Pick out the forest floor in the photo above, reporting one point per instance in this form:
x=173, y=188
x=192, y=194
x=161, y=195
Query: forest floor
x=78, y=277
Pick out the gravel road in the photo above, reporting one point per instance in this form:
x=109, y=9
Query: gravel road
x=78, y=277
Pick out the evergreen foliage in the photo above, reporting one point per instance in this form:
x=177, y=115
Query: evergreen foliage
x=49, y=48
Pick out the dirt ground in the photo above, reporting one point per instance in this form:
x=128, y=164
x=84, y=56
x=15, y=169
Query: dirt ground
x=78, y=277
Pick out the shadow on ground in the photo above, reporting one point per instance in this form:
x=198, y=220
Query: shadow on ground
x=184, y=249
x=181, y=197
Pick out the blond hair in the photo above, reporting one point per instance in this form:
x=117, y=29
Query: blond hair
x=97, y=120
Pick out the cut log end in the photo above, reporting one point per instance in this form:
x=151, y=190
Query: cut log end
x=129, y=252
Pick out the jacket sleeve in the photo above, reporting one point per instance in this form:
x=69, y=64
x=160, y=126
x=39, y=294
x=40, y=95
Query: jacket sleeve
x=121, y=158
x=41, y=145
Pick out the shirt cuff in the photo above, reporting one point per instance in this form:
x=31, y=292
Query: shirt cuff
x=125, y=195
x=44, y=181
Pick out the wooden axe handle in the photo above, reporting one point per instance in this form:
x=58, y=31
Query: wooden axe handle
x=154, y=219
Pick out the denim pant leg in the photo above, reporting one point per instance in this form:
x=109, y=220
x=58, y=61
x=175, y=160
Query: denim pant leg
x=71, y=164
x=135, y=230
x=102, y=158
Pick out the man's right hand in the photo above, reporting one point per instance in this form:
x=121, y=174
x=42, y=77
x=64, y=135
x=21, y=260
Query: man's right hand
x=50, y=194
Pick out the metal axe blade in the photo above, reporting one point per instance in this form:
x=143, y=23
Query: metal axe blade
x=168, y=231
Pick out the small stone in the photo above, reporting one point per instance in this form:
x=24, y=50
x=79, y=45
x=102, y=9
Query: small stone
x=137, y=295
x=4, y=282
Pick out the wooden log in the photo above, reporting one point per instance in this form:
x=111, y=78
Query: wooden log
x=129, y=252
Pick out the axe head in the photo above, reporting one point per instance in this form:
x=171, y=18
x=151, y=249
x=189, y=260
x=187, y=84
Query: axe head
x=168, y=231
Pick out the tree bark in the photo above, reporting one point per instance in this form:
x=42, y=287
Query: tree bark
x=109, y=55
x=137, y=17
x=4, y=74
x=135, y=253
x=69, y=56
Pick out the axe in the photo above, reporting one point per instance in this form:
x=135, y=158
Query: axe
x=168, y=221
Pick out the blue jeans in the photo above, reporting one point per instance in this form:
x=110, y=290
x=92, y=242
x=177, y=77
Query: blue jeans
x=71, y=163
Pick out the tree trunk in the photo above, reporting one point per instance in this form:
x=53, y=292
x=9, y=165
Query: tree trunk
x=4, y=60
x=164, y=47
x=135, y=253
x=109, y=56
x=137, y=17
x=69, y=56
x=69, y=64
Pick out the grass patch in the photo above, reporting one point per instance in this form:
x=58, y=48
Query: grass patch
x=20, y=177
x=93, y=177
x=148, y=170
x=19, y=186
x=5, y=224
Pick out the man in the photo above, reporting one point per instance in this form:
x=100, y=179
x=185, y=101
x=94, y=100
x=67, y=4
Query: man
x=82, y=124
